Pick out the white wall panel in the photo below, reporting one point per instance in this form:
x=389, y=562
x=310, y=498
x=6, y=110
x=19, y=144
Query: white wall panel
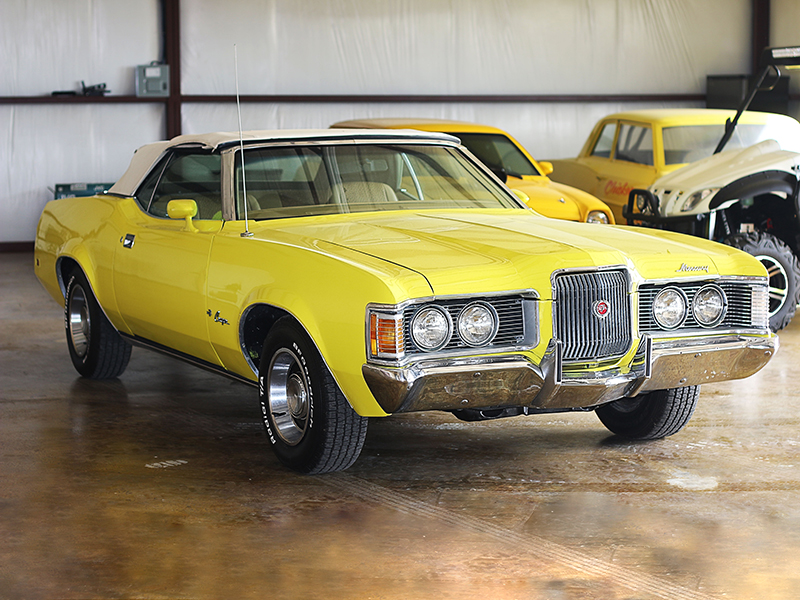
x=41, y=146
x=54, y=45
x=462, y=46
x=785, y=31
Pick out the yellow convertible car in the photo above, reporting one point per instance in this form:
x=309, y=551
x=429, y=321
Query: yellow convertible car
x=509, y=160
x=631, y=150
x=355, y=274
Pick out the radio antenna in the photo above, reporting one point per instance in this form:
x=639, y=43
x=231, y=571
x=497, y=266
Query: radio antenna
x=246, y=232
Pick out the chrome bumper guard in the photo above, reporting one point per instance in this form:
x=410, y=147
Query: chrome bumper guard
x=513, y=380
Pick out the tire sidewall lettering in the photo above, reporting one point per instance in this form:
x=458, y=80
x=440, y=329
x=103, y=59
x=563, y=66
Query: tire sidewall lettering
x=265, y=411
x=309, y=383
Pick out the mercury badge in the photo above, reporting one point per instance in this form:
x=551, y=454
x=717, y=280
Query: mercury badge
x=601, y=308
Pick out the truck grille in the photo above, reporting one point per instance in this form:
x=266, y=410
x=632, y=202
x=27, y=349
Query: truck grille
x=577, y=314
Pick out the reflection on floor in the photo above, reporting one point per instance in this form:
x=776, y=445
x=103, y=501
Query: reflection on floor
x=161, y=485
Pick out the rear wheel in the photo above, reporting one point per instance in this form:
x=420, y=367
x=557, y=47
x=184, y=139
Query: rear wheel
x=310, y=424
x=95, y=347
x=783, y=269
x=650, y=416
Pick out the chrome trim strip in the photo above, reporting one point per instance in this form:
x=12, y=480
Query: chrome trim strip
x=716, y=278
x=145, y=343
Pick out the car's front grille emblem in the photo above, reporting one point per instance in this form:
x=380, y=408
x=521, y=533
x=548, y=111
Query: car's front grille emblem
x=601, y=308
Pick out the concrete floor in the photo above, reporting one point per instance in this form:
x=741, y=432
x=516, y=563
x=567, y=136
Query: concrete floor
x=162, y=485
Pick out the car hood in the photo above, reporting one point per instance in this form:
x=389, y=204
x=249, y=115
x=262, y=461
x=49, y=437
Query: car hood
x=472, y=251
x=723, y=168
x=548, y=198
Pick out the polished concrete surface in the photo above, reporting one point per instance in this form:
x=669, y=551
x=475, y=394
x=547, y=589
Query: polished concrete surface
x=162, y=485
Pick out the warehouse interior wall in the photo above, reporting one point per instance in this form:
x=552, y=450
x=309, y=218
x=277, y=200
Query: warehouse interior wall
x=345, y=47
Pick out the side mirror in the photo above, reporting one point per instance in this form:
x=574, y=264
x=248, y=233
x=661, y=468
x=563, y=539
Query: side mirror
x=183, y=209
x=546, y=167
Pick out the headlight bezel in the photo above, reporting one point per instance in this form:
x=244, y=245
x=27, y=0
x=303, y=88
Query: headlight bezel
x=597, y=217
x=679, y=293
x=446, y=334
x=387, y=327
x=491, y=332
x=723, y=310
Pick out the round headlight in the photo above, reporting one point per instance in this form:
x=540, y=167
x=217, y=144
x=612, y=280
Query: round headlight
x=431, y=328
x=669, y=308
x=477, y=324
x=597, y=216
x=709, y=305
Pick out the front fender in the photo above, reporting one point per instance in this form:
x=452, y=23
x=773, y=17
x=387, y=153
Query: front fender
x=754, y=185
x=326, y=289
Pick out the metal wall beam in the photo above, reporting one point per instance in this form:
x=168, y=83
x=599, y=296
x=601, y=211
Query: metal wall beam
x=761, y=31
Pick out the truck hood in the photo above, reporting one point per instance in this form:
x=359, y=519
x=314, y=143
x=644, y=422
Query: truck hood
x=474, y=251
x=723, y=168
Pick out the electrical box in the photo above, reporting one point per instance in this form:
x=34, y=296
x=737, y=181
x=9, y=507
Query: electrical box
x=152, y=80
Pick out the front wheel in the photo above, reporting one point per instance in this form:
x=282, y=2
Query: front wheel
x=97, y=350
x=650, y=416
x=783, y=270
x=310, y=424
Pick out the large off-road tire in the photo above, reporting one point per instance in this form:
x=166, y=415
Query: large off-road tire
x=95, y=347
x=310, y=424
x=650, y=416
x=783, y=269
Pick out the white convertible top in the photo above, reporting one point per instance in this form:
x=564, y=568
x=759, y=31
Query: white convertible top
x=144, y=158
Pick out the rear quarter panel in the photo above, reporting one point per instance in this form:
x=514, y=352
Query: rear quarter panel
x=85, y=230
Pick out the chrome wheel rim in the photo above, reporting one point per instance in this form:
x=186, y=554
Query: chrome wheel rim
x=778, y=283
x=289, y=397
x=80, y=323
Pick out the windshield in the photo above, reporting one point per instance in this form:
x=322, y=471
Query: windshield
x=689, y=143
x=346, y=178
x=498, y=152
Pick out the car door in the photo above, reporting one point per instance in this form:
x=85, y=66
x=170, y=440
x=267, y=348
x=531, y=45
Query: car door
x=623, y=159
x=160, y=266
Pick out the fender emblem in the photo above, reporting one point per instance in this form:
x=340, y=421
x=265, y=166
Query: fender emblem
x=601, y=309
x=217, y=318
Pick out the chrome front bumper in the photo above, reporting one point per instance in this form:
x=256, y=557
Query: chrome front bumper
x=513, y=380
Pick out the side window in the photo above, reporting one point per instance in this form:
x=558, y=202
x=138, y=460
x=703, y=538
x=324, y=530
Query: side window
x=184, y=177
x=634, y=144
x=605, y=142
x=144, y=195
x=278, y=178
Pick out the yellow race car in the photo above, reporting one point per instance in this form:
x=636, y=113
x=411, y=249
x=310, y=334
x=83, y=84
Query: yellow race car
x=351, y=274
x=510, y=161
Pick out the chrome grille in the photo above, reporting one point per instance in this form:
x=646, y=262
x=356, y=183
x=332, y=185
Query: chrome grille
x=585, y=335
x=510, y=313
x=738, y=293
